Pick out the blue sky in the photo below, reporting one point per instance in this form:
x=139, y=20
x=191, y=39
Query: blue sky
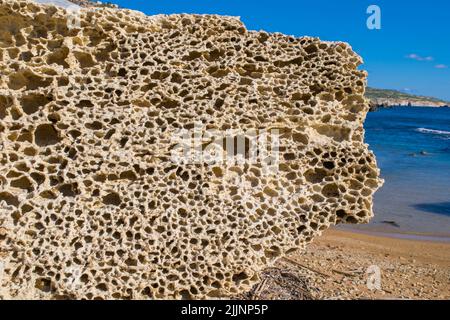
x=411, y=52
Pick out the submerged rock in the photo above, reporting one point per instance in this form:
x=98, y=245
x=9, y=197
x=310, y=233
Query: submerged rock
x=391, y=222
x=95, y=199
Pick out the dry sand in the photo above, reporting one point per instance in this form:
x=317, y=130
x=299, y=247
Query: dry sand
x=335, y=266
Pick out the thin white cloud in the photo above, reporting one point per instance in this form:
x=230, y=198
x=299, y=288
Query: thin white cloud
x=408, y=90
x=416, y=57
x=441, y=66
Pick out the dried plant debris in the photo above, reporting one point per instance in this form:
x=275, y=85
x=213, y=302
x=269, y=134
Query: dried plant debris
x=92, y=204
x=282, y=284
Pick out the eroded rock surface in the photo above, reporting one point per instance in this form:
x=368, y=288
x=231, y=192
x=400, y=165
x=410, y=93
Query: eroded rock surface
x=92, y=204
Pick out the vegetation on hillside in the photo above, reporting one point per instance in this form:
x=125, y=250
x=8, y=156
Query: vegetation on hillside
x=384, y=97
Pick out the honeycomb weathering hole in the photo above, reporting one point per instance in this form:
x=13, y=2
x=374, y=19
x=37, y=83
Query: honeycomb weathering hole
x=45, y=135
x=89, y=191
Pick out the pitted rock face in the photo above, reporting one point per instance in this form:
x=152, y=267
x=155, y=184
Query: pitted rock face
x=92, y=203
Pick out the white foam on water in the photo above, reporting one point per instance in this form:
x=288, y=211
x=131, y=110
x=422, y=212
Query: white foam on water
x=432, y=131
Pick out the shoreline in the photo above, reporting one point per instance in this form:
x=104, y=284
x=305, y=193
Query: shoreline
x=394, y=244
x=392, y=234
x=377, y=107
x=381, y=106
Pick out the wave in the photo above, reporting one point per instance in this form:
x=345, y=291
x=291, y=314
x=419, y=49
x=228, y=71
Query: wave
x=432, y=131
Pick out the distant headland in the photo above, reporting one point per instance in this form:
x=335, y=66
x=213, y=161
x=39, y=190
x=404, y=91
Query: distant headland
x=383, y=98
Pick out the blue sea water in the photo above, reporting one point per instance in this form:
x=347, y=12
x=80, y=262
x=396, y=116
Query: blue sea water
x=412, y=146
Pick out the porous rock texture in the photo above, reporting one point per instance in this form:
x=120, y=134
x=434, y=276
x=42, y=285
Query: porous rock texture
x=91, y=204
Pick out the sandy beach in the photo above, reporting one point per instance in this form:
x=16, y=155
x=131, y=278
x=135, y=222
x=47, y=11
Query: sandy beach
x=335, y=266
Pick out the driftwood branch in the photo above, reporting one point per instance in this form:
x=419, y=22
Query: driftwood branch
x=306, y=267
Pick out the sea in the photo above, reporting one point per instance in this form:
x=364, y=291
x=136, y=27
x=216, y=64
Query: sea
x=412, y=147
